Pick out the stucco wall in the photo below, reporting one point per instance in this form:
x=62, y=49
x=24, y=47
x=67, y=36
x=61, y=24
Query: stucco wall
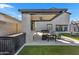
x=10, y=26
x=26, y=27
x=62, y=19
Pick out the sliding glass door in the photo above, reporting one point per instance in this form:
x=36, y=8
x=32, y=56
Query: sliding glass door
x=49, y=27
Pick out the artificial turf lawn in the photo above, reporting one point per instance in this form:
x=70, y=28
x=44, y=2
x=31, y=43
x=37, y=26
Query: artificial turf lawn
x=50, y=50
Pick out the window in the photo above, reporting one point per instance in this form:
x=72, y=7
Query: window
x=61, y=27
x=49, y=27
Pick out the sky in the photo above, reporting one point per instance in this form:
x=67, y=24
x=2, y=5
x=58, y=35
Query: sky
x=12, y=8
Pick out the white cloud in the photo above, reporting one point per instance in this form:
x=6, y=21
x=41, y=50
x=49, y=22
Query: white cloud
x=5, y=6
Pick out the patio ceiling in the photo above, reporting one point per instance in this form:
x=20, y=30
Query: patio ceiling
x=43, y=14
x=43, y=17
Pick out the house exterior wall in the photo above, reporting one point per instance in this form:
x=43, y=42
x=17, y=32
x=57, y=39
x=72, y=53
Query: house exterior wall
x=62, y=19
x=74, y=28
x=7, y=28
x=16, y=23
x=10, y=25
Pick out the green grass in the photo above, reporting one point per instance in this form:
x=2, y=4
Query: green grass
x=50, y=50
x=68, y=35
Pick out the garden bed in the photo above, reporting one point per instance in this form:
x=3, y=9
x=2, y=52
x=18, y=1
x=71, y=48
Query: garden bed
x=71, y=36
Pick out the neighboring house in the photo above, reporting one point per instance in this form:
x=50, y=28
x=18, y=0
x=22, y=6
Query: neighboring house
x=54, y=20
x=9, y=25
x=74, y=26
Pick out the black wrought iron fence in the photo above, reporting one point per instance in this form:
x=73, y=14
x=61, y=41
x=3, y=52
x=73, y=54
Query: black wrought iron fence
x=9, y=45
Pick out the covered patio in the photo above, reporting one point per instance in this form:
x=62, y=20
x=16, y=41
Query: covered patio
x=44, y=34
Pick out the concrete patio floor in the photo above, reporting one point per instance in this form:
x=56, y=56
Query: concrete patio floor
x=63, y=41
x=58, y=42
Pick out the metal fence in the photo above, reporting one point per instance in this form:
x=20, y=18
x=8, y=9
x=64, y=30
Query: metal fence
x=10, y=44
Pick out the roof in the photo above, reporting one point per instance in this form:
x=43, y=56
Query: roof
x=10, y=17
x=41, y=10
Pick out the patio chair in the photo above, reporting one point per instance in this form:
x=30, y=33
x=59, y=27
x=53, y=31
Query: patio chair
x=51, y=37
x=44, y=37
x=37, y=36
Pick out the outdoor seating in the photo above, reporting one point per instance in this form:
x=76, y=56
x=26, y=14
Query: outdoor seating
x=51, y=37
x=45, y=35
x=37, y=35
